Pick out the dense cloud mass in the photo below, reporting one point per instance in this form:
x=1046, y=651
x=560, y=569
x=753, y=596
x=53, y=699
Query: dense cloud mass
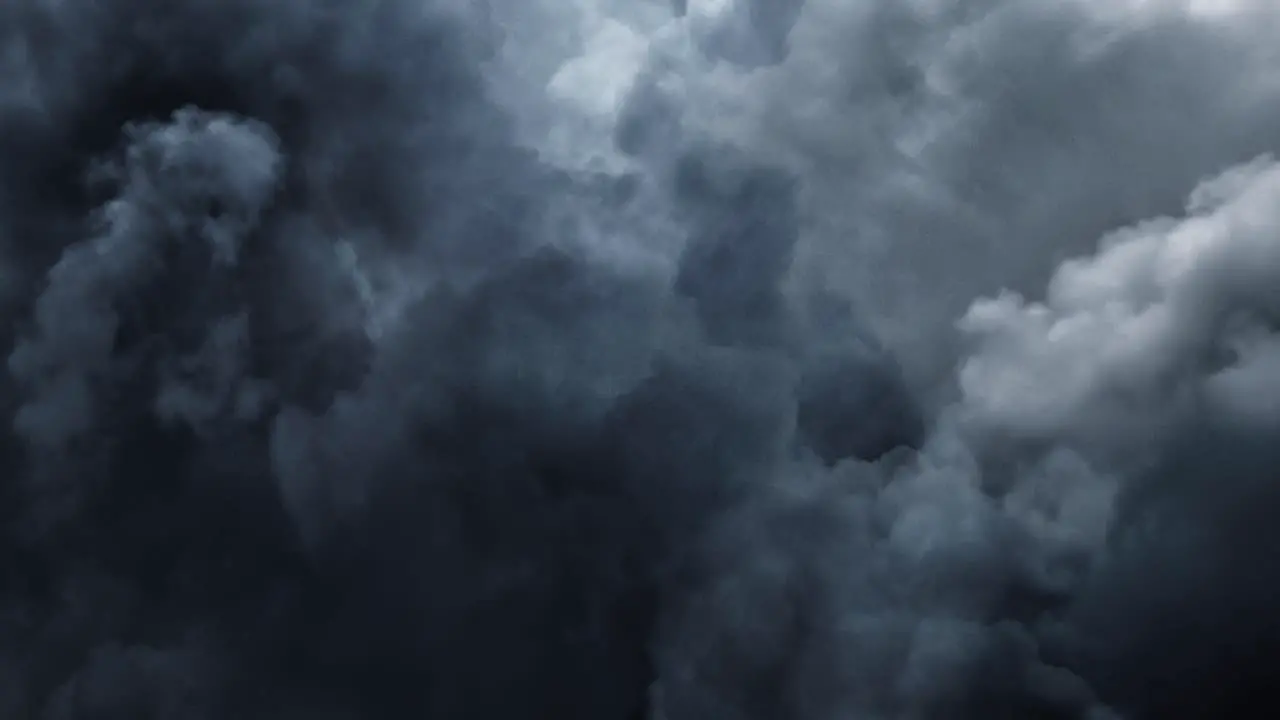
x=639, y=359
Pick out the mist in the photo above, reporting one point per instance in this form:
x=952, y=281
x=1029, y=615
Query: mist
x=649, y=360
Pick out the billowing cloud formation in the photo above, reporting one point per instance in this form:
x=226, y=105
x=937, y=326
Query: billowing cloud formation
x=637, y=360
x=1171, y=316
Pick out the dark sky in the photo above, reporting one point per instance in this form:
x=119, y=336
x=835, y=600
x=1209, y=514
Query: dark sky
x=605, y=359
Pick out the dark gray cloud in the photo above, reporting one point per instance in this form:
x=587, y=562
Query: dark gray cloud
x=635, y=360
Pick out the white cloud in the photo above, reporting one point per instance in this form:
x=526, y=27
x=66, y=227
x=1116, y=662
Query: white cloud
x=1125, y=336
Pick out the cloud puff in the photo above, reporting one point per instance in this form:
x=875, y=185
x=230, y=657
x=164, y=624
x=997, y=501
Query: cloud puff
x=1171, y=316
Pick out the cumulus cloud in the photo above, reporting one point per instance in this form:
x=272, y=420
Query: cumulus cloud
x=1171, y=316
x=658, y=360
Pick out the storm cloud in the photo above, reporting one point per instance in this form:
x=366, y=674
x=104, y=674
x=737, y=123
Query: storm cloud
x=638, y=360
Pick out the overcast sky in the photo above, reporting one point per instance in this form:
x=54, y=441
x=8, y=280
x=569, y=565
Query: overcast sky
x=639, y=359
